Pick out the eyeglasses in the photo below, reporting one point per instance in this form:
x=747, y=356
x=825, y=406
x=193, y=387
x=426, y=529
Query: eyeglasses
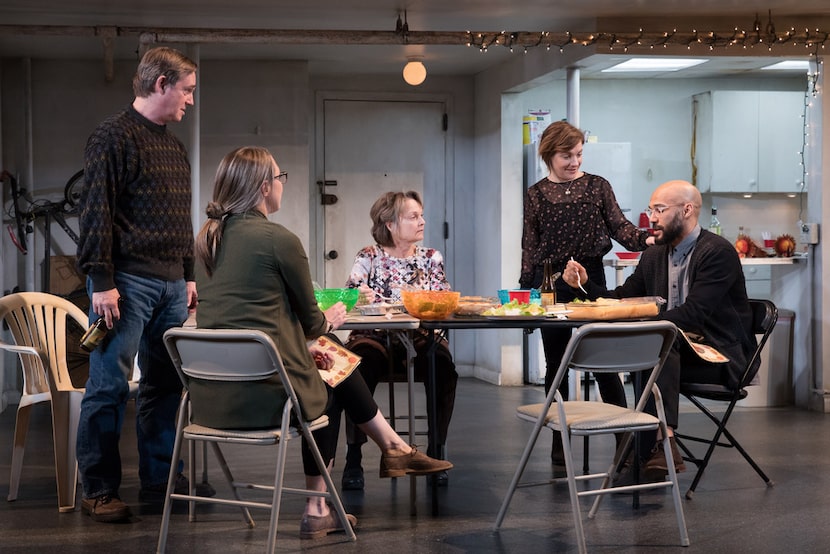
x=659, y=210
x=282, y=177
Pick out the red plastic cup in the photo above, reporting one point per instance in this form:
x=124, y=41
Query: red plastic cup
x=521, y=295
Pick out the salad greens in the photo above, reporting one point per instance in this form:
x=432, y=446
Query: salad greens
x=514, y=307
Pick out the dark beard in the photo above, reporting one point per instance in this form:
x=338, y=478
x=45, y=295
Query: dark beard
x=671, y=231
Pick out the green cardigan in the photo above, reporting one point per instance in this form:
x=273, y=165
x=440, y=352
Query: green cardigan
x=261, y=281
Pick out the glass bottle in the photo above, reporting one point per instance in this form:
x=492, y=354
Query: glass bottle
x=94, y=335
x=714, y=224
x=548, y=287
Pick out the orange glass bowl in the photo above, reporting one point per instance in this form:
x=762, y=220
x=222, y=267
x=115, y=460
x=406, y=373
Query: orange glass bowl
x=430, y=304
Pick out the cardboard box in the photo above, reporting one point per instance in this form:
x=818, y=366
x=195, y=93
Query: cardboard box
x=64, y=278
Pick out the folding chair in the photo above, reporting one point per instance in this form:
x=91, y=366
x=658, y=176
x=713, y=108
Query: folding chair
x=239, y=355
x=603, y=347
x=764, y=317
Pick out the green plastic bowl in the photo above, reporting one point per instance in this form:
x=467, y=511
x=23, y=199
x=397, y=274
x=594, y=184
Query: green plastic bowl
x=326, y=298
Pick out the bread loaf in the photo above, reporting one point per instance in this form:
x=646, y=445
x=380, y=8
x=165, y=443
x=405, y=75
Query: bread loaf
x=605, y=308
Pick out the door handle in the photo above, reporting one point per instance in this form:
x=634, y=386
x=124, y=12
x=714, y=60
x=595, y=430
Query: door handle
x=331, y=255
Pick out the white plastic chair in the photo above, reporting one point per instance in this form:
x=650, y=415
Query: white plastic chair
x=603, y=347
x=239, y=355
x=38, y=323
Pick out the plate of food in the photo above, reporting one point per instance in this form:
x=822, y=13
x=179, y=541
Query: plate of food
x=380, y=308
x=473, y=306
x=515, y=310
x=516, y=317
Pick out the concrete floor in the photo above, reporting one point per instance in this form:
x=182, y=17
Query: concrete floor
x=733, y=511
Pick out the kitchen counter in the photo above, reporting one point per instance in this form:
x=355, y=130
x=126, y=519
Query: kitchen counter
x=620, y=265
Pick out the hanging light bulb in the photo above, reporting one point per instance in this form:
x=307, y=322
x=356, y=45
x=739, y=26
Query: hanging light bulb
x=414, y=72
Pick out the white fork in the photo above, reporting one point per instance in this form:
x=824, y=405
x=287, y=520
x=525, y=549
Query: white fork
x=578, y=282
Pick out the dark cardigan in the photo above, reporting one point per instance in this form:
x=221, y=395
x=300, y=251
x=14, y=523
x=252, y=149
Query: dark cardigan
x=716, y=306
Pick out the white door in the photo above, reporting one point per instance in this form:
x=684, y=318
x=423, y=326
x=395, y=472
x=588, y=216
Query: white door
x=372, y=147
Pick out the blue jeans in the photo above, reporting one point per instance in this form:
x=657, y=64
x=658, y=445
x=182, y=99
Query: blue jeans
x=148, y=308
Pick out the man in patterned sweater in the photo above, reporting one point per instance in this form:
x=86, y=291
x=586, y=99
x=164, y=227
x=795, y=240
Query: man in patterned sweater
x=136, y=249
x=700, y=276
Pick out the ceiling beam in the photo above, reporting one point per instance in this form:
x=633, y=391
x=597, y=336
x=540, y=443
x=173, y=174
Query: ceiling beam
x=478, y=39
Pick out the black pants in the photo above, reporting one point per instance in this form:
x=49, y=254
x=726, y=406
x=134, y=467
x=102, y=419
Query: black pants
x=375, y=367
x=555, y=342
x=679, y=367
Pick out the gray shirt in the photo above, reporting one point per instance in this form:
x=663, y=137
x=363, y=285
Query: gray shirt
x=679, y=258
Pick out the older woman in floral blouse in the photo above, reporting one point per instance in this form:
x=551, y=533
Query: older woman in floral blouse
x=396, y=261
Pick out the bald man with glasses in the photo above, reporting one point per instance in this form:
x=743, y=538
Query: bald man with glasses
x=700, y=276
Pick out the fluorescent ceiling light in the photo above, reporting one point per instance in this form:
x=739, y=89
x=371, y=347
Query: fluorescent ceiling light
x=802, y=65
x=654, y=64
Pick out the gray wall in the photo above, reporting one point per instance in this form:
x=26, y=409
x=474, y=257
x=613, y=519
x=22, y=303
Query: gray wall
x=272, y=103
x=267, y=103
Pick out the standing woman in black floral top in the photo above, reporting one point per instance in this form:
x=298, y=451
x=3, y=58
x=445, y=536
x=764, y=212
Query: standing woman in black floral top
x=571, y=213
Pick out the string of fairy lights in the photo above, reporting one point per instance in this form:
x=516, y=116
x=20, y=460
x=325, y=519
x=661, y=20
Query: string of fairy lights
x=760, y=36
x=811, y=92
x=812, y=40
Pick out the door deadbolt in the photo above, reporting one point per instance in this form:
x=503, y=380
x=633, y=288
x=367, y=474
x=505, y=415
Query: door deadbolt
x=331, y=255
x=328, y=199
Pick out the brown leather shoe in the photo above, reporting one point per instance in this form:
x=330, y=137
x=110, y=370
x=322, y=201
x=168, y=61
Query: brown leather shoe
x=106, y=508
x=315, y=527
x=395, y=463
x=657, y=462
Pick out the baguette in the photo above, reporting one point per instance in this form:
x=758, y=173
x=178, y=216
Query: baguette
x=604, y=309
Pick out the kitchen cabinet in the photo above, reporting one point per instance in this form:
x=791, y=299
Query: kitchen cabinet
x=758, y=281
x=748, y=141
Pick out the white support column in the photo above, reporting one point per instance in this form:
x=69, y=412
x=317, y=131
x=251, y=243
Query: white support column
x=573, y=96
x=193, y=123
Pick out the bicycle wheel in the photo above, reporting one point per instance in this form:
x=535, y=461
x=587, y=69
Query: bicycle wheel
x=72, y=191
x=21, y=219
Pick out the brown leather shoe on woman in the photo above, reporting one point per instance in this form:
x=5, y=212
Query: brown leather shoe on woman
x=315, y=527
x=396, y=463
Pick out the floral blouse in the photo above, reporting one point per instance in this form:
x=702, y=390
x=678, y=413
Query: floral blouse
x=576, y=219
x=387, y=275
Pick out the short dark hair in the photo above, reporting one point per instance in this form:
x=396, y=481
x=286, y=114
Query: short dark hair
x=559, y=136
x=157, y=62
